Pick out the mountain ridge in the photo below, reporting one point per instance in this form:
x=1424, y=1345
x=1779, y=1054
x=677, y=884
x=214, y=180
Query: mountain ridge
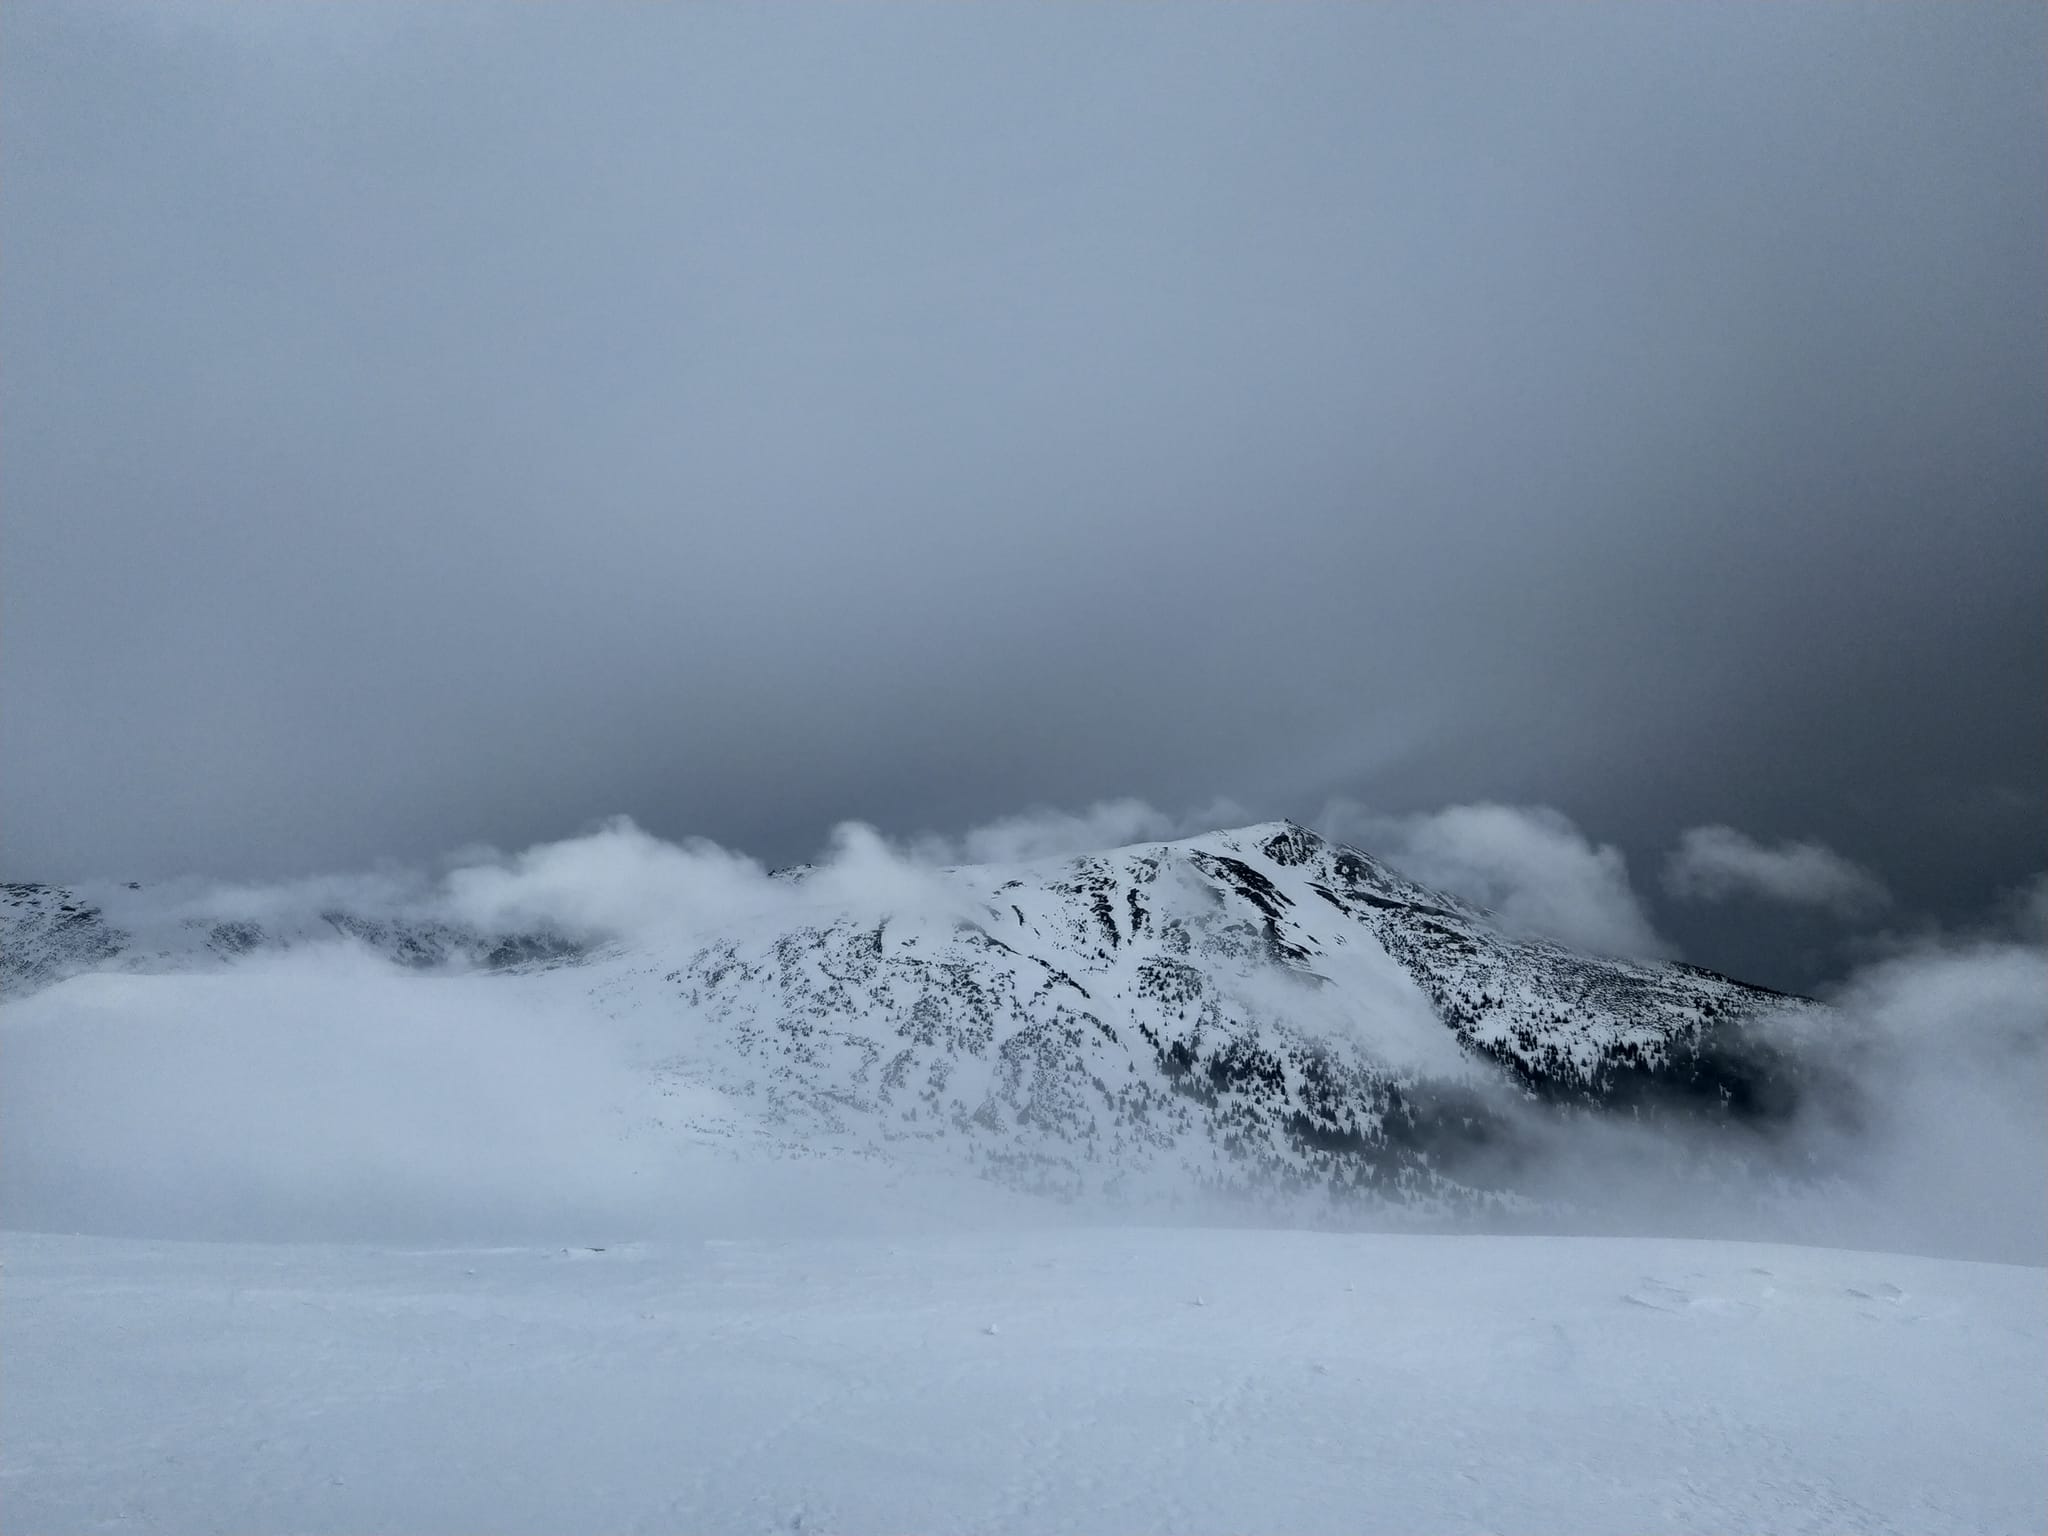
x=1253, y=1008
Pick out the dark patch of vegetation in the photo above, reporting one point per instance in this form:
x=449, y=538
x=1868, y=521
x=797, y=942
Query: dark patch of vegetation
x=234, y=938
x=1747, y=986
x=1456, y=1128
x=530, y=949
x=1724, y=1072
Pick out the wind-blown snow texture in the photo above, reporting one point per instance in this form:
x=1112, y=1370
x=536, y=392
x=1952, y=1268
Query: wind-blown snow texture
x=1251, y=1010
x=1193, y=1381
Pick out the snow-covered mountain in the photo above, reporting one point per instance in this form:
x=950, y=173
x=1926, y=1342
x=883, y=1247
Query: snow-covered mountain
x=49, y=932
x=1249, y=1010
x=648, y=1217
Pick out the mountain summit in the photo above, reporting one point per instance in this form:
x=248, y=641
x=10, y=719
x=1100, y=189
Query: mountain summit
x=1251, y=1009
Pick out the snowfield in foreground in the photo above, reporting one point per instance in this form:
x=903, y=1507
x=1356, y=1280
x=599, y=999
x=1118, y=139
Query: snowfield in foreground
x=1085, y=1379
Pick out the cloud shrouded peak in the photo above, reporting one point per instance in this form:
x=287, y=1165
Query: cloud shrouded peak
x=1531, y=865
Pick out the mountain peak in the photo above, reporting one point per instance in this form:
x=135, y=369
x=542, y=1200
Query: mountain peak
x=1284, y=842
x=1255, y=1007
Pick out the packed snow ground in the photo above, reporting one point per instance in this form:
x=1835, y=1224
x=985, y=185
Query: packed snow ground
x=1104, y=1379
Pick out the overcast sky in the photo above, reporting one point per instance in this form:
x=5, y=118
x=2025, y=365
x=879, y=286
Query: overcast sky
x=441, y=424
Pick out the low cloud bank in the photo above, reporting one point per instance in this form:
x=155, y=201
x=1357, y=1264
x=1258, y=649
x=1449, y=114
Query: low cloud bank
x=1911, y=1114
x=1045, y=833
x=1716, y=863
x=616, y=881
x=314, y=1094
x=320, y=1092
x=619, y=881
x=1535, y=870
x=1945, y=1043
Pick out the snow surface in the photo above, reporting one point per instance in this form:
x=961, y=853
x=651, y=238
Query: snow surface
x=1075, y=1379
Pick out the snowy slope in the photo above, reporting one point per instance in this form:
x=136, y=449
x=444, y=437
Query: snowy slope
x=50, y=932
x=1188, y=1381
x=1255, y=1010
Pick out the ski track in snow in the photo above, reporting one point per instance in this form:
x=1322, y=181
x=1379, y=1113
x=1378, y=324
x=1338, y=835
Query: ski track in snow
x=1057, y=1380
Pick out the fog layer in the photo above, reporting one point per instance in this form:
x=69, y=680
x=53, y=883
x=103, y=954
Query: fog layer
x=320, y=1092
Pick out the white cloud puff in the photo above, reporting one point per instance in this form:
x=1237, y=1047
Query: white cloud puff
x=1534, y=868
x=1716, y=863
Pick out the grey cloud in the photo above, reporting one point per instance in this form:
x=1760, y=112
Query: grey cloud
x=313, y=1094
x=1716, y=863
x=1046, y=833
x=1538, y=872
x=2029, y=906
x=616, y=880
x=1947, y=1045
x=436, y=425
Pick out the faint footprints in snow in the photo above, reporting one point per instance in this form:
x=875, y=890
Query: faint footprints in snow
x=1661, y=1296
x=1658, y=1296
